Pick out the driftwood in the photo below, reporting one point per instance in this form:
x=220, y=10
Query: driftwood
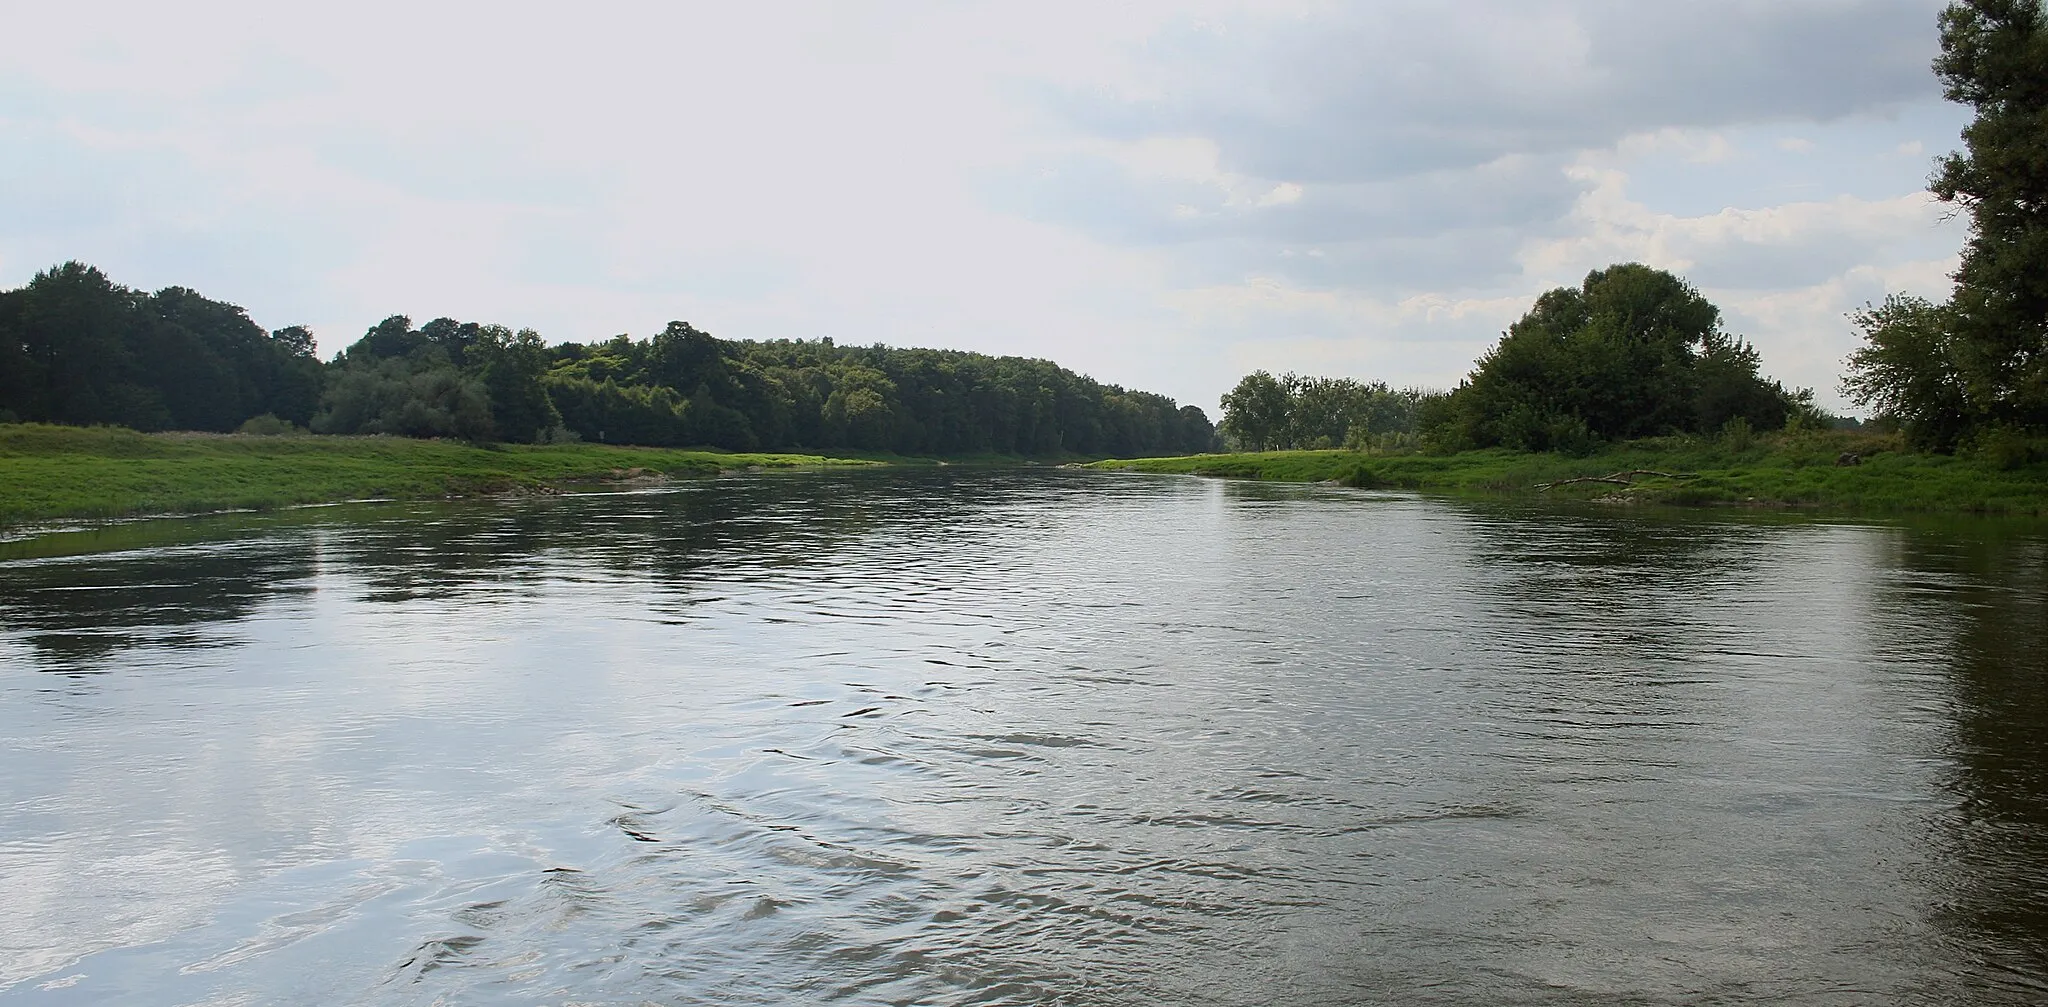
x=1617, y=478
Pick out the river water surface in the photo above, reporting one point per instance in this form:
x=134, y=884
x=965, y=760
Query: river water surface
x=1022, y=737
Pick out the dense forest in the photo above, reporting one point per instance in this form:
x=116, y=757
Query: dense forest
x=77, y=348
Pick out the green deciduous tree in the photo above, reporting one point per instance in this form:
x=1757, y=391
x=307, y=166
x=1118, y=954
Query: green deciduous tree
x=1631, y=352
x=406, y=397
x=1298, y=411
x=1909, y=369
x=512, y=367
x=1255, y=413
x=1980, y=361
x=75, y=347
x=607, y=412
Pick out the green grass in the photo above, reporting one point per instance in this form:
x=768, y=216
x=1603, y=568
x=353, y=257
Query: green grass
x=51, y=472
x=1780, y=470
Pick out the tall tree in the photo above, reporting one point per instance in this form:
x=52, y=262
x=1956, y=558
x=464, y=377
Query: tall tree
x=513, y=366
x=1908, y=369
x=1994, y=57
x=1255, y=412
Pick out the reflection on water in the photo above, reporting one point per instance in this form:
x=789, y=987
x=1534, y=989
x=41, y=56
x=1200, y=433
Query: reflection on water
x=1023, y=737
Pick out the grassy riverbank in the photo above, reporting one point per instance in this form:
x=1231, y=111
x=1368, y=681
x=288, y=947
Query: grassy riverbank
x=56, y=472
x=1790, y=470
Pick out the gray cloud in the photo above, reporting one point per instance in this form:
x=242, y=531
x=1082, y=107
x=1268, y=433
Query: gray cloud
x=1811, y=261
x=1452, y=228
x=1399, y=89
x=1099, y=196
x=1429, y=146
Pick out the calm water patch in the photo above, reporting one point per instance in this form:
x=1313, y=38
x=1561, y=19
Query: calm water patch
x=1036, y=737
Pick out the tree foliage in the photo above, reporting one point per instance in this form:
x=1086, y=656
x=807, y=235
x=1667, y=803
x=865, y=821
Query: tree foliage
x=1980, y=361
x=77, y=348
x=407, y=397
x=1910, y=369
x=1265, y=413
x=1631, y=352
x=818, y=395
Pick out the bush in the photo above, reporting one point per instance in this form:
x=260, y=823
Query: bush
x=268, y=425
x=1737, y=436
x=2007, y=448
x=1569, y=435
x=425, y=398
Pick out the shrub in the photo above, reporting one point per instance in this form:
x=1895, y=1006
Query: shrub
x=2007, y=448
x=1737, y=436
x=268, y=425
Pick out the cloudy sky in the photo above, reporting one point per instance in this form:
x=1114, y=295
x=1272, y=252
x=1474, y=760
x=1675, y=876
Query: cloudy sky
x=1162, y=195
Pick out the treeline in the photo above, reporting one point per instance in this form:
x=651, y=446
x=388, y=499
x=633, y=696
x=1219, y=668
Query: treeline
x=77, y=348
x=1265, y=413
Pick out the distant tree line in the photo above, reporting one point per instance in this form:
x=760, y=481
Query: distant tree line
x=1265, y=413
x=77, y=348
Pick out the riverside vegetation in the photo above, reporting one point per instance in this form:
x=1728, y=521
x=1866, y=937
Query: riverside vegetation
x=1801, y=469
x=460, y=407
x=78, y=349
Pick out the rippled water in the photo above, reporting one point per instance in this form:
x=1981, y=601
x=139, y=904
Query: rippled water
x=983, y=737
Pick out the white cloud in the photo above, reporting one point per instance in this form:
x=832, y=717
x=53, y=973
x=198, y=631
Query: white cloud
x=1774, y=246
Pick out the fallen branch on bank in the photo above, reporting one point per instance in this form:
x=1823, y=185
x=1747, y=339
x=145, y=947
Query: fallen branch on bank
x=1622, y=478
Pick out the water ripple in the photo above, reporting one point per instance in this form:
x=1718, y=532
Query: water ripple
x=984, y=737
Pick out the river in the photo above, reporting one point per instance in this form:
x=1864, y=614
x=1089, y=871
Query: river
x=972, y=736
